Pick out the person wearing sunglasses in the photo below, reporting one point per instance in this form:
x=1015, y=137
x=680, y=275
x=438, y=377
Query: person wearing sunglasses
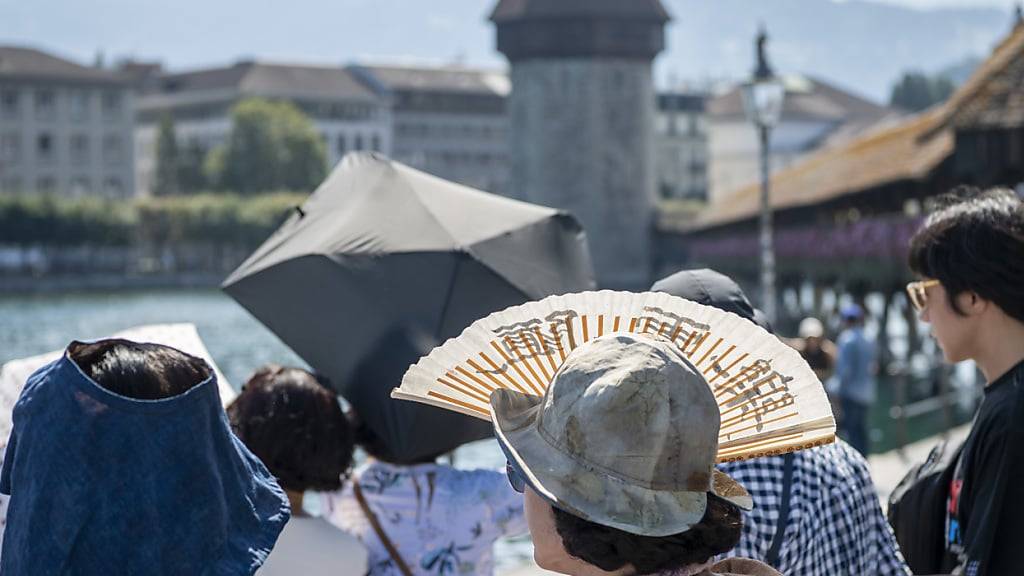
x=616, y=465
x=969, y=255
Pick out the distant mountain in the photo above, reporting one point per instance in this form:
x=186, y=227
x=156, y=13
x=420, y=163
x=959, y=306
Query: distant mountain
x=962, y=70
x=863, y=46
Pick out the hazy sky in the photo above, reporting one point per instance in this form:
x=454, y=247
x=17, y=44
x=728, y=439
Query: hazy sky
x=198, y=33
x=925, y=4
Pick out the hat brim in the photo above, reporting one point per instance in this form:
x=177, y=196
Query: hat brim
x=593, y=495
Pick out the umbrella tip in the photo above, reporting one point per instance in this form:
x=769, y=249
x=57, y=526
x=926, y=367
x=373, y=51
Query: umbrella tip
x=302, y=213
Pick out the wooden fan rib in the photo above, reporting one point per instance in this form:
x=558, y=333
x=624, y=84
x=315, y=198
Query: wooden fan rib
x=615, y=324
x=756, y=386
x=661, y=331
x=480, y=369
x=761, y=423
x=708, y=353
x=730, y=367
x=504, y=373
x=473, y=377
x=600, y=325
x=719, y=359
x=748, y=373
x=470, y=393
x=586, y=333
x=466, y=405
x=759, y=444
x=568, y=331
x=760, y=449
x=485, y=393
x=698, y=344
x=514, y=366
x=535, y=356
x=558, y=340
x=547, y=354
x=778, y=444
x=687, y=343
x=769, y=402
x=751, y=397
x=818, y=426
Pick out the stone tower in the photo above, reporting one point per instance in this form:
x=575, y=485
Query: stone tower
x=582, y=113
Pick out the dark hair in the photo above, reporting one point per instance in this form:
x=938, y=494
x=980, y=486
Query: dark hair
x=975, y=242
x=138, y=370
x=611, y=549
x=293, y=423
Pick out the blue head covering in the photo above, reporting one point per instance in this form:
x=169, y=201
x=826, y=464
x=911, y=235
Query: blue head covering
x=851, y=312
x=102, y=484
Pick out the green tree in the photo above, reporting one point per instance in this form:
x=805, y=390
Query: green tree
x=191, y=168
x=213, y=167
x=165, y=181
x=916, y=91
x=272, y=146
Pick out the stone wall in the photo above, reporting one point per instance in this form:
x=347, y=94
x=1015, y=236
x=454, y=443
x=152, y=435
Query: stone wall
x=581, y=141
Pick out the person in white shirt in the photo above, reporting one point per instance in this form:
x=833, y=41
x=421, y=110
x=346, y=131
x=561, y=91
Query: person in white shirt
x=295, y=425
x=436, y=519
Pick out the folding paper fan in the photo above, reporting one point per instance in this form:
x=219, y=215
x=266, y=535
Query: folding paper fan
x=770, y=400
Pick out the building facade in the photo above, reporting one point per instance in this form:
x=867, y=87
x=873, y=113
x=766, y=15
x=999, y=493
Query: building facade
x=582, y=116
x=815, y=115
x=348, y=115
x=681, y=147
x=449, y=121
x=65, y=129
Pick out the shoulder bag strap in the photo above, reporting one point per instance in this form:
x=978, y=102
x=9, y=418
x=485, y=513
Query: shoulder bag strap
x=388, y=545
x=772, y=558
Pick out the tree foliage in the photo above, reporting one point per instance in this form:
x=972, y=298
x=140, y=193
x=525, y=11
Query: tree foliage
x=165, y=180
x=916, y=91
x=272, y=145
x=206, y=217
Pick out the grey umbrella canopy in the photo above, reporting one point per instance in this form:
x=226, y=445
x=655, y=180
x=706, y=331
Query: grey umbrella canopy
x=380, y=247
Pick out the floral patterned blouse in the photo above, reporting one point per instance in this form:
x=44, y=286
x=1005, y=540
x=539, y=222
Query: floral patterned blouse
x=442, y=520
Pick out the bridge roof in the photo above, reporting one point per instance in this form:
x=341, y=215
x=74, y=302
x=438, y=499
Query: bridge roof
x=894, y=151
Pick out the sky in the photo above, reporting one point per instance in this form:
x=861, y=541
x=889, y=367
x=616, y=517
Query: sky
x=927, y=4
x=186, y=34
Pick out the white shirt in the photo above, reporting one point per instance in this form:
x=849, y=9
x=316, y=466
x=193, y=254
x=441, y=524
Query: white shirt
x=442, y=520
x=314, y=547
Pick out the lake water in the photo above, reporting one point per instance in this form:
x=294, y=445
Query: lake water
x=34, y=324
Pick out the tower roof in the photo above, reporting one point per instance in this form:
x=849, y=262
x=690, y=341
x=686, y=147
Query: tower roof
x=547, y=29
x=509, y=10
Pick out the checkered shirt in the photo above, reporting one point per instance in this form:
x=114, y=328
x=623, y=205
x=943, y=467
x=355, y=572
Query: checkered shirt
x=836, y=526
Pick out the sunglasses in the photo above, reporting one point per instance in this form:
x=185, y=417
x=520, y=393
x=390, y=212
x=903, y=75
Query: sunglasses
x=918, y=293
x=515, y=477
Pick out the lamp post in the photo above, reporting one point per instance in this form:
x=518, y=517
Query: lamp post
x=762, y=102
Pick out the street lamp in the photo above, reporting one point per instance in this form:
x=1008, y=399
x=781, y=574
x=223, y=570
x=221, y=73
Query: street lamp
x=762, y=102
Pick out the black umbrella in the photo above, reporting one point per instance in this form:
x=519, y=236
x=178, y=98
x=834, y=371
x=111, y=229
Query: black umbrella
x=381, y=247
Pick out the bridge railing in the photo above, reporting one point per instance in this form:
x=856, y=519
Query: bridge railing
x=925, y=404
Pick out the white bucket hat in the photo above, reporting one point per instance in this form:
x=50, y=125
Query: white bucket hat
x=811, y=327
x=626, y=436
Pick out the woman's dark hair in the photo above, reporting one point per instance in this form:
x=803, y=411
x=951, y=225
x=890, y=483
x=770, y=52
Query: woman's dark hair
x=139, y=370
x=975, y=242
x=611, y=549
x=293, y=423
